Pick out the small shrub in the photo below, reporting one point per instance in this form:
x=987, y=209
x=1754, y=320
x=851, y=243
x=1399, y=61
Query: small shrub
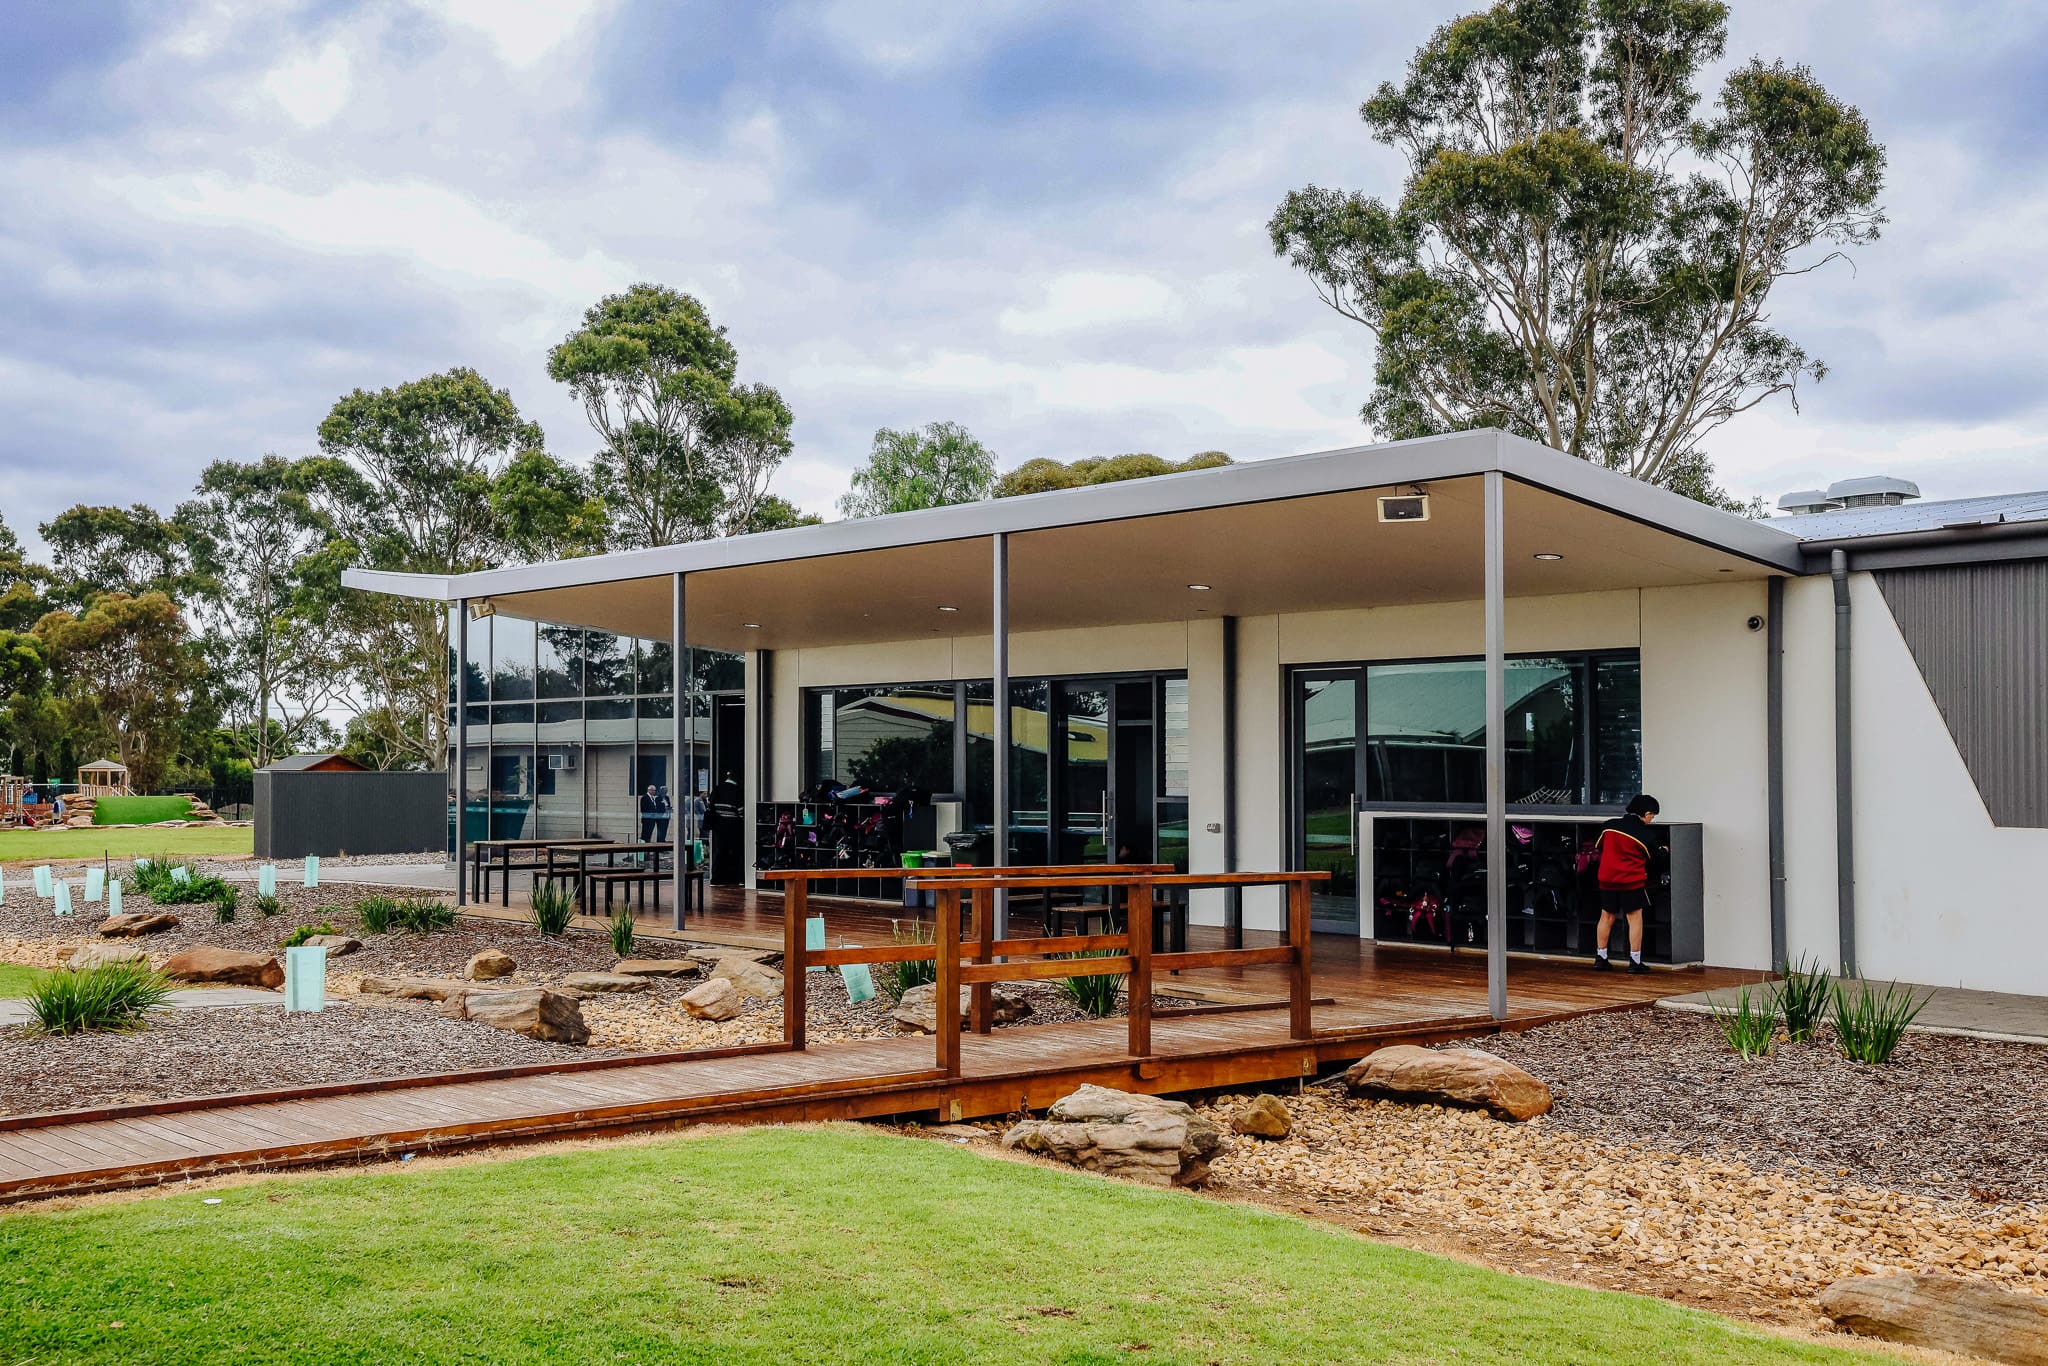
x=1749, y=1026
x=422, y=914
x=304, y=932
x=893, y=979
x=224, y=906
x=554, y=902
x=1094, y=995
x=375, y=913
x=1870, y=1023
x=622, y=932
x=157, y=879
x=111, y=996
x=268, y=906
x=1803, y=999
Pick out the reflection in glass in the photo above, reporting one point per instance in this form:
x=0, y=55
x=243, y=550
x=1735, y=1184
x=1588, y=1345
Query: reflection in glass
x=607, y=664
x=892, y=739
x=1327, y=722
x=652, y=666
x=511, y=792
x=1426, y=732
x=559, y=666
x=558, y=812
x=511, y=659
x=1618, y=729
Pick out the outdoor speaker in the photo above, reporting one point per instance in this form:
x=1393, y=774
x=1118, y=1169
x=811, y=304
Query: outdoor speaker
x=1407, y=507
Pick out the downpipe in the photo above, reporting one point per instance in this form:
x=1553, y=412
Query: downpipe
x=1845, y=795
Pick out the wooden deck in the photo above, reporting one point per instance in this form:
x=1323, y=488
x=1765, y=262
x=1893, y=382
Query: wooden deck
x=1365, y=998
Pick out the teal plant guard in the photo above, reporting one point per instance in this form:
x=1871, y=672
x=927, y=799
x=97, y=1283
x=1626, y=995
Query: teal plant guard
x=63, y=906
x=180, y=874
x=814, y=938
x=3, y=883
x=266, y=880
x=95, y=883
x=860, y=983
x=114, y=897
x=305, y=977
x=312, y=870
x=42, y=879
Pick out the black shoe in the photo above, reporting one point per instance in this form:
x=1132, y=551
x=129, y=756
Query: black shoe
x=1602, y=965
x=1635, y=966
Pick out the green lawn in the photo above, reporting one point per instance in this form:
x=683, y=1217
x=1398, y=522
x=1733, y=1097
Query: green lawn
x=778, y=1245
x=14, y=979
x=140, y=810
x=41, y=846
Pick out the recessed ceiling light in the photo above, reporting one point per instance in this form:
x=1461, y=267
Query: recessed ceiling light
x=751, y=625
x=944, y=608
x=1199, y=587
x=1548, y=555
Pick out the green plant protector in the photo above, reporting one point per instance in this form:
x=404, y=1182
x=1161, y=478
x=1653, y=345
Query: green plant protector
x=814, y=938
x=913, y=859
x=95, y=883
x=43, y=879
x=312, y=870
x=114, y=897
x=305, y=978
x=860, y=983
x=63, y=906
x=180, y=874
x=266, y=880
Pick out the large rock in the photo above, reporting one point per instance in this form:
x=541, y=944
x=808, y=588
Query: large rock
x=1146, y=1138
x=93, y=954
x=656, y=967
x=1969, y=1318
x=337, y=945
x=225, y=967
x=136, y=923
x=536, y=1012
x=918, y=1011
x=717, y=999
x=707, y=956
x=1267, y=1116
x=750, y=977
x=594, y=983
x=415, y=988
x=485, y=964
x=1450, y=1076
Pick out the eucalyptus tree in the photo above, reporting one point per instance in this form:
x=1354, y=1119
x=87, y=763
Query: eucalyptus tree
x=939, y=465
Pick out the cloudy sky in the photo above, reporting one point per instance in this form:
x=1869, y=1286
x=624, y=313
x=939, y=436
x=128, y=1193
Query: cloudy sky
x=1045, y=221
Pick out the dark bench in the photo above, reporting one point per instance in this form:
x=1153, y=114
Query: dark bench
x=636, y=882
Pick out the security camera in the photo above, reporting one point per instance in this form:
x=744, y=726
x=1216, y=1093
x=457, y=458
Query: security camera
x=1756, y=623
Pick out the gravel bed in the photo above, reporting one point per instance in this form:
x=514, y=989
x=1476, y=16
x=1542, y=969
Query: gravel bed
x=216, y=1050
x=1948, y=1116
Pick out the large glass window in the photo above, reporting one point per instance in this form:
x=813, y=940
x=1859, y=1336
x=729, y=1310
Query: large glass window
x=559, y=669
x=511, y=659
x=887, y=739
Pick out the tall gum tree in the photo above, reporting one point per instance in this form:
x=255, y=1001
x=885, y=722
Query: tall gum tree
x=1577, y=256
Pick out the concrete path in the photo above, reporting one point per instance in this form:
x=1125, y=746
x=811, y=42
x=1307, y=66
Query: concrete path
x=14, y=1012
x=1951, y=1010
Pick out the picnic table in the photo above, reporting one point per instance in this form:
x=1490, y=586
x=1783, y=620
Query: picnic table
x=545, y=851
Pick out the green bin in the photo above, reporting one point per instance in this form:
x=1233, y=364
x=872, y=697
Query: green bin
x=913, y=859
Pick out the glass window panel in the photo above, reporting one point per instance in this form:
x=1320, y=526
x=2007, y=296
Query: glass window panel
x=652, y=658
x=1030, y=792
x=1545, y=736
x=511, y=792
x=613, y=803
x=511, y=721
x=897, y=738
x=609, y=719
x=511, y=659
x=558, y=810
x=981, y=719
x=607, y=664
x=559, y=664
x=1425, y=732
x=1617, y=729
x=1174, y=778
x=718, y=670
x=656, y=723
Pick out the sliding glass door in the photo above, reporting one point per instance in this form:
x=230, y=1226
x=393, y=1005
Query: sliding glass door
x=1327, y=792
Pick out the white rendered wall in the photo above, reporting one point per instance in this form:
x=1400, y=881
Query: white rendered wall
x=1810, y=919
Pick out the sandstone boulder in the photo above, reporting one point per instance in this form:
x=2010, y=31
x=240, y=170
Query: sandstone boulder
x=137, y=923
x=1266, y=1116
x=707, y=956
x=1450, y=1076
x=486, y=964
x=750, y=977
x=595, y=983
x=716, y=999
x=1146, y=1138
x=918, y=1011
x=337, y=945
x=536, y=1012
x=656, y=967
x=96, y=955
x=415, y=988
x=1970, y=1318
x=225, y=967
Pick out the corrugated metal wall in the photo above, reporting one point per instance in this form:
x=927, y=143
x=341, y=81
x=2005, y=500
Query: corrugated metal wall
x=314, y=812
x=1979, y=633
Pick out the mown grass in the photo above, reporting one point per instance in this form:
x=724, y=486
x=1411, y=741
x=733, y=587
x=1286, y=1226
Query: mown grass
x=779, y=1245
x=191, y=841
x=15, y=979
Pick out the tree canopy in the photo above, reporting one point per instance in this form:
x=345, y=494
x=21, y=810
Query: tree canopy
x=1578, y=255
x=934, y=467
x=1040, y=476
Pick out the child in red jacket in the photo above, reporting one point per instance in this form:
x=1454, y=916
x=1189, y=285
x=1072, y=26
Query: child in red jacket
x=1624, y=846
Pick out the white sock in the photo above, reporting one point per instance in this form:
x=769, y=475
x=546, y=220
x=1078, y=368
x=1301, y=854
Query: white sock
x=1599, y=953
x=1635, y=956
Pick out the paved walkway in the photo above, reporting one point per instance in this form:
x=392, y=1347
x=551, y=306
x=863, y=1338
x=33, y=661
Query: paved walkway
x=1950, y=1010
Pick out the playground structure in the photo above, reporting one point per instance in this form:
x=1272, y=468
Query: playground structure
x=103, y=778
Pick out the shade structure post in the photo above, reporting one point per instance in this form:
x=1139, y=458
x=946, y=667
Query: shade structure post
x=461, y=751
x=680, y=697
x=999, y=628
x=1496, y=751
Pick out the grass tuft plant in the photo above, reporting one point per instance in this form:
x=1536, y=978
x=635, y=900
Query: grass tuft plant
x=111, y=996
x=224, y=906
x=268, y=906
x=1869, y=1023
x=1749, y=1025
x=1096, y=996
x=1803, y=999
x=554, y=903
x=893, y=979
x=375, y=912
x=622, y=932
x=157, y=879
x=305, y=932
x=422, y=914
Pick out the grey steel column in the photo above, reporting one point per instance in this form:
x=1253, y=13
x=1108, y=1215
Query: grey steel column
x=999, y=629
x=1496, y=754
x=461, y=749
x=1845, y=786
x=1774, y=760
x=678, y=766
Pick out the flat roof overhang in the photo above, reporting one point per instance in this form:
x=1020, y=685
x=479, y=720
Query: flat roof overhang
x=1296, y=534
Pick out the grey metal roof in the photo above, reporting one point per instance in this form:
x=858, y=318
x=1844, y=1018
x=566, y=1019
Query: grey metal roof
x=1906, y=518
x=296, y=762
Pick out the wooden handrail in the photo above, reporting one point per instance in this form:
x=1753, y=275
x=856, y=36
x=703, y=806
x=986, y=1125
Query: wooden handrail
x=962, y=870
x=1028, y=880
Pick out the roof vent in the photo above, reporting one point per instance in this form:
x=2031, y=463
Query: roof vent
x=1807, y=500
x=1875, y=492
